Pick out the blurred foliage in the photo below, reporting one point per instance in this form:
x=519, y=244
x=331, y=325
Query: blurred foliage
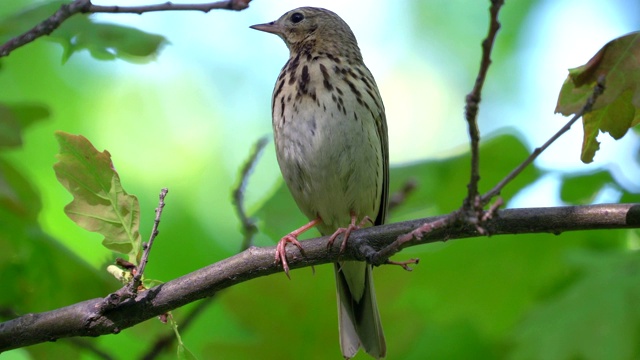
x=536, y=296
x=430, y=16
x=79, y=32
x=582, y=189
x=603, y=324
x=461, y=43
x=17, y=117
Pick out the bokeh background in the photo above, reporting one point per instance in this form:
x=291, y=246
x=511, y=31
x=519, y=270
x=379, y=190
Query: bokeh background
x=188, y=118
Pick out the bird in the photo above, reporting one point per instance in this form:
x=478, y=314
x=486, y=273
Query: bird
x=330, y=135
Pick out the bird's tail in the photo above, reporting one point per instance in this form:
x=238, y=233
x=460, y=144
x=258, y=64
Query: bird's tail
x=358, y=315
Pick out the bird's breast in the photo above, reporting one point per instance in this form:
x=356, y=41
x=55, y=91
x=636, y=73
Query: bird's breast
x=327, y=145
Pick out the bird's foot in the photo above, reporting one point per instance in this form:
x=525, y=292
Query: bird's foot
x=281, y=250
x=404, y=264
x=347, y=231
x=292, y=237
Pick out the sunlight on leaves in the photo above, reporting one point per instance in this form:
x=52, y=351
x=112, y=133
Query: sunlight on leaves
x=100, y=204
x=618, y=108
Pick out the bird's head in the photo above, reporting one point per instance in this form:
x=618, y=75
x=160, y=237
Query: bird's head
x=314, y=30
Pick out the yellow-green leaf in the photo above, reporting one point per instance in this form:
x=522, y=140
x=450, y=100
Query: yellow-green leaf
x=618, y=108
x=100, y=204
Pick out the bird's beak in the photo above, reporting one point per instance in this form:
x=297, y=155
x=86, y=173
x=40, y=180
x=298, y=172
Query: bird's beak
x=271, y=27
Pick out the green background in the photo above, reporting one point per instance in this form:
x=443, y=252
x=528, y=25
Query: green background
x=187, y=118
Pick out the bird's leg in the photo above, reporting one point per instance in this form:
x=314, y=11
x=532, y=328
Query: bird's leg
x=347, y=231
x=365, y=219
x=292, y=237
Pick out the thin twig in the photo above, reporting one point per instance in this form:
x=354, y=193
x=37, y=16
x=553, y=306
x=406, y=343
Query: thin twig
x=47, y=26
x=235, y=5
x=382, y=256
x=248, y=224
x=597, y=91
x=129, y=292
x=472, y=102
x=137, y=279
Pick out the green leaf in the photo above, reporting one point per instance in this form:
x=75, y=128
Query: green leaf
x=100, y=204
x=599, y=310
x=14, y=119
x=107, y=41
x=103, y=41
x=618, y=108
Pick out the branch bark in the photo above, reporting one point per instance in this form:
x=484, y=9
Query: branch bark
x=50, y=24
x=84, y=318
x=472, y=102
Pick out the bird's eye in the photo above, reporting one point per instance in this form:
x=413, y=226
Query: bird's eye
x=296, y=17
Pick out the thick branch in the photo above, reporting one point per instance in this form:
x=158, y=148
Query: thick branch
x=83, y=319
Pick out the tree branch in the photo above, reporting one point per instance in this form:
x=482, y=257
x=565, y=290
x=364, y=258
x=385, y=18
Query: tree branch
x=84, y=318
x=235, y=5
x=47, y=26
x=137, y=278
x=471, y=108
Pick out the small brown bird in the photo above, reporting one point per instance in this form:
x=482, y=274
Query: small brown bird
x=331, y=143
